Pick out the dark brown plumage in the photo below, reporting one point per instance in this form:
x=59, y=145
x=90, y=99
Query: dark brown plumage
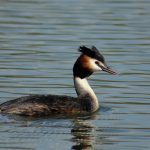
x=42, y=105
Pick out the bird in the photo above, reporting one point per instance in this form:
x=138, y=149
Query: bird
x=89, y=61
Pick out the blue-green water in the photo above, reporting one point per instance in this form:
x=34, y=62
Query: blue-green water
x=38, y=46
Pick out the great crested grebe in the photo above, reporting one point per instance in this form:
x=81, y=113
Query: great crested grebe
x=39, y=105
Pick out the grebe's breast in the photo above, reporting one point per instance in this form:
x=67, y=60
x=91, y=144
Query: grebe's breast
x=41, y=105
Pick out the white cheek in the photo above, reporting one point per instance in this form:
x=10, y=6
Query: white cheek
x=94, y=66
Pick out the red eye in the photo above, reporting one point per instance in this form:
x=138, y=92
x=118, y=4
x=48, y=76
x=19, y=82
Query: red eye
x=97, y=63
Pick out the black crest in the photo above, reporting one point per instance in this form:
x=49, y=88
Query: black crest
x=93, y=52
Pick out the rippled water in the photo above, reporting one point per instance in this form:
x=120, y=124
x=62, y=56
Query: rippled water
x=38, y=46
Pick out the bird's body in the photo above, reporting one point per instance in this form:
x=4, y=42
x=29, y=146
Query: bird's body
x=41, y=105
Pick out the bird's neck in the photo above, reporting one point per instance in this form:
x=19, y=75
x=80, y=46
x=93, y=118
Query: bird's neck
x=83, y=88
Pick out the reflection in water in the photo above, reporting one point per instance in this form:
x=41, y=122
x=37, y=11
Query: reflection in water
x=83, y=134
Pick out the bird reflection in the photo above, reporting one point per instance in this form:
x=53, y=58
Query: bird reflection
x=83, y=134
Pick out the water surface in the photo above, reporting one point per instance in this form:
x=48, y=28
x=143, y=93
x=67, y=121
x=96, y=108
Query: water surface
x=38, y=46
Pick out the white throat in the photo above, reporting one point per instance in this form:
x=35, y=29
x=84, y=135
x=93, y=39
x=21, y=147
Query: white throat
x=82, y=88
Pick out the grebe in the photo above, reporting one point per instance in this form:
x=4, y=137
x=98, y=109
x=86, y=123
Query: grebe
x=89, y=61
